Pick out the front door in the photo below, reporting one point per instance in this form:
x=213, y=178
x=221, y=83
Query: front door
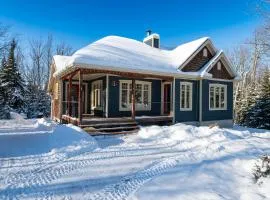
x=167, y=99
x=97, y=98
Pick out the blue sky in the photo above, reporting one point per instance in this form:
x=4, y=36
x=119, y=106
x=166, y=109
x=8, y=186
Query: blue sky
x=227, y=22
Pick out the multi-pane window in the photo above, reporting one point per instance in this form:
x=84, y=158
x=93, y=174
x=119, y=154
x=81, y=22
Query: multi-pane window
x=185, y=96
x=217, y=97
x=142, y=95
x=96, y=94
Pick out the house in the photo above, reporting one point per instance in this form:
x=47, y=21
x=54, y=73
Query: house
x=121, y=81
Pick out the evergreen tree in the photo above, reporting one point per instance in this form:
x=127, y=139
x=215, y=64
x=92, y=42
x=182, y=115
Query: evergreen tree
x=37, y=102
x=258, y=116
x=4, y=108
x=11, y=81
x=247, y=102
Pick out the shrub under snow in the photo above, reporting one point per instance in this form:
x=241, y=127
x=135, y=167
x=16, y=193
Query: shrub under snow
x=262, y=168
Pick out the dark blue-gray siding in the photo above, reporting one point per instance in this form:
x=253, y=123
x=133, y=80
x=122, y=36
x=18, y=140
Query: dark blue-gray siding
x=114, y=98
x=185, y=116
x=208, y=115
x=180, y=116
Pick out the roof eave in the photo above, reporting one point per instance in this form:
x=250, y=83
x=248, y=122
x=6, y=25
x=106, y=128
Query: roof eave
x=75, y=66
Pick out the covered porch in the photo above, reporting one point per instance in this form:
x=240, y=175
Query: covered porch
x=92, y=96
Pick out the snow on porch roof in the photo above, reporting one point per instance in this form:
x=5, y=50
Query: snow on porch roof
x=119, y=53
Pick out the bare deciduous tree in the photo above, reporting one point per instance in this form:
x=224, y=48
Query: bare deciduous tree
x=37, y=70
x=63, y=49
x=47, y=58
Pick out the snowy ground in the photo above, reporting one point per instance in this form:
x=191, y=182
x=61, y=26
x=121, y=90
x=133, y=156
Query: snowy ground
x=42, y=160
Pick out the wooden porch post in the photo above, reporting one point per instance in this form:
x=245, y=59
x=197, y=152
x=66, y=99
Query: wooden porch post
x=133, y=112
x=69, y=95
x=80, y=111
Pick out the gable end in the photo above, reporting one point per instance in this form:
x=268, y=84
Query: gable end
x=198, y=61
x=220, y=73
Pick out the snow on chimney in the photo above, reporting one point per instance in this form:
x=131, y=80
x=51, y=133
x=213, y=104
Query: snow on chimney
x=152, y=39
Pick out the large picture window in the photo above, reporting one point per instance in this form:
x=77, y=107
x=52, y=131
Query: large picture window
x=217, y=97
x=185, y=96
x=142, y=95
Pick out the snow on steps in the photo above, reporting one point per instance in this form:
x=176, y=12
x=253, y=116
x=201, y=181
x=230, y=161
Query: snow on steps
x=120, y=126
x=124, y=125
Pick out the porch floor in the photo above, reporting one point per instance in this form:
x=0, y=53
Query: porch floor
x=119, y=125
x=141, y=120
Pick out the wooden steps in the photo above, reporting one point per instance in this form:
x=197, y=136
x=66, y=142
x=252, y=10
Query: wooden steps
x=108, y=127
x=120, y=125
x=112, y=133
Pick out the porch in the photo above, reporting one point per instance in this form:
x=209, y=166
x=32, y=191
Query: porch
x=115, y=102
x=116, y=125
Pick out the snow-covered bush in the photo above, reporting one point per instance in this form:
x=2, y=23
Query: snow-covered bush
x=262, y=168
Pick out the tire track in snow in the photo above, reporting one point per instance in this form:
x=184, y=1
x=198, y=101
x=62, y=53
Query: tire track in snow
x=27, y=183
x=130, y=184
x=33, y=182
x=17, y=179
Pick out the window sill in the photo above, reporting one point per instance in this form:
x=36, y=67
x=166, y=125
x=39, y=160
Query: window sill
x=185, y=109
x=217, y=109
x=136, y=109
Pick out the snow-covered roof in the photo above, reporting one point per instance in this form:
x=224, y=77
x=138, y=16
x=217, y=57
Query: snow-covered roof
x=61, y=62
x=119, y=53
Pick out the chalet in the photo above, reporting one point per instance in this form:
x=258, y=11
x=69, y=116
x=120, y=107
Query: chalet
x=116, y=83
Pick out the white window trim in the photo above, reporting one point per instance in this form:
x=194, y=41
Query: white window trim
x=190, y=96
x=162, y=97
x=215, y=85
x=138, y=107
x=99, y=82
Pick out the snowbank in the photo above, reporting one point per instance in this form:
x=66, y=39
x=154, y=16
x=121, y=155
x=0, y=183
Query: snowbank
x=182, y=132
x=21, y=137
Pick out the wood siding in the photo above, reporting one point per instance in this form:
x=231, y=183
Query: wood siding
x=55, y=100
x=198, y=61
x=222, y=73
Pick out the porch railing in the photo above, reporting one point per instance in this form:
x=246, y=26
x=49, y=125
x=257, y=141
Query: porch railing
x=74, y=105
x=74, y=112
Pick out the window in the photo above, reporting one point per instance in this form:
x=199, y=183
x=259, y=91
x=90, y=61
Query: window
x=205, y=52
x=56, y=90
x=96, y=94
x=219, y=65
x=185, y=96
x=142, y=95
x=217, y=97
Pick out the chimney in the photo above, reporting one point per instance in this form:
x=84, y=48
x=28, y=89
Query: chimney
x=148, y=32
x=152, y=39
